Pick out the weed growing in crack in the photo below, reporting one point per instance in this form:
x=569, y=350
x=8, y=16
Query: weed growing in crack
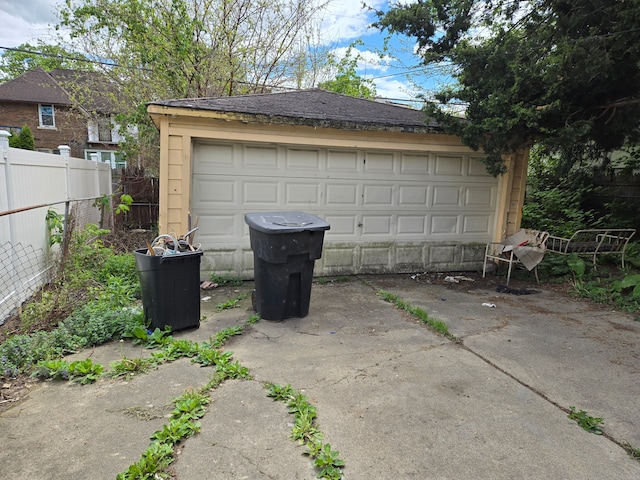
x=81, y=371
x=154, y=459
x=436, y=325
x=632, y=451
x=180, y=349
x=587, y=422
x=151, y=339
x=223, y=335
x=128, y=367
x=306, y=431
x=232, y=302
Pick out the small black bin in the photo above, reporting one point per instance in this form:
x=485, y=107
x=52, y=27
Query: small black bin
x=285, y=246
x=170, y=287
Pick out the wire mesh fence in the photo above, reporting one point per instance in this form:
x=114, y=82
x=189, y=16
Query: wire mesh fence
x=33, y=242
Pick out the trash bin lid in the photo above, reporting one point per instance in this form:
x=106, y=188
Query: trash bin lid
x=285, y=222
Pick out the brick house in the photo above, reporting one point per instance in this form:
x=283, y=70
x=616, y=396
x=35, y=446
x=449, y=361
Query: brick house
x=62, y=107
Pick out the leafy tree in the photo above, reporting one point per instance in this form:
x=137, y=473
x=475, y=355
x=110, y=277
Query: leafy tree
x=161, y=49
x=347, y=81
x=193, y=48
x=563, y=72
x=15, y=61
x=23, y=140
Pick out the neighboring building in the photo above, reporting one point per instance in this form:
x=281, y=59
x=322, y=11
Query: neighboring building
x=400, y=194
x=63, y=107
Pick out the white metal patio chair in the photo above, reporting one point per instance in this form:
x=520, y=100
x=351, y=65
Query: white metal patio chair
x=525, y=247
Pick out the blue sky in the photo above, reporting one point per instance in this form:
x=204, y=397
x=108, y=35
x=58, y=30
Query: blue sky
x=343, y=22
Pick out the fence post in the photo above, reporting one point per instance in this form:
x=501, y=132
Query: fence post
x=4, y=151
x=96, y=183
x=65, y=150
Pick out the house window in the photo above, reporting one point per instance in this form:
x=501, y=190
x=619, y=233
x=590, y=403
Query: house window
x=116, y=159
x=104, y=129
x=47, y=116
x=101, y=129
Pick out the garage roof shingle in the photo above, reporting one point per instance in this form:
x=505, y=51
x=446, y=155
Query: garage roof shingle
x=315, y=107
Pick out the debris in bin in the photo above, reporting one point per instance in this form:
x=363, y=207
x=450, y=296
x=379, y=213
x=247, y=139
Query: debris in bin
x=490, y=305
x=166, y=244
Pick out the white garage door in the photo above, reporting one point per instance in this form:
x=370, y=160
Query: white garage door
x=389, y=211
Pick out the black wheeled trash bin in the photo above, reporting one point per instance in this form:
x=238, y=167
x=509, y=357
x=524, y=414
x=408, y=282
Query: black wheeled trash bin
x=170, y=287
x=285, y=246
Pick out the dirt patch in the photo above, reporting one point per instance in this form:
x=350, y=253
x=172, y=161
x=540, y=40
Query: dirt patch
x=14, y=390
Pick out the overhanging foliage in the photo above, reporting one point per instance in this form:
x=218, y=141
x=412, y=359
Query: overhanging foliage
x=563, y=72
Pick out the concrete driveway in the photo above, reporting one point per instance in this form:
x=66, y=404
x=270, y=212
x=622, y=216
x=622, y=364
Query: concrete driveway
x=397, y=400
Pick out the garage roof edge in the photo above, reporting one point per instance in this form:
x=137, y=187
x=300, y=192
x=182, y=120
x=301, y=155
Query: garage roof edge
x=314, y=107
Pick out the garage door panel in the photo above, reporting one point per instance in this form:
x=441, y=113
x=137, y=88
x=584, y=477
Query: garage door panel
x=446, y=196
x=306, y=160
x=442, y=254
x=376, y=225
x=409, y=256
x=473, y=224
x=260, y=192
x=211, y=158
x=376, y=257
x=302, y=194
x=413, y=195
x=342, y=194
x=344, y=225
x=412, y=225
x=215, y=228
x=214, y=191
x=449, y=165
x=479, y=197
x=338, y=257
x=414, y=165
x=341, y=161
x=260, y=158
x=378, y=195
x=477, y=168
x=379, y=162
x=444, y=225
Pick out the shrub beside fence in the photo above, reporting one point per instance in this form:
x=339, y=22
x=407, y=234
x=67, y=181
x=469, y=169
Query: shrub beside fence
x=34, y=183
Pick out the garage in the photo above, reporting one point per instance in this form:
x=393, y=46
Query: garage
x=400, y=195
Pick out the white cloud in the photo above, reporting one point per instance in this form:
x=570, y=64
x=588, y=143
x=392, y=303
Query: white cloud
x=30, y=11
x=367, y=60
x=26, y=22
x=394, y=89
x=347, y=20
x=16, y=31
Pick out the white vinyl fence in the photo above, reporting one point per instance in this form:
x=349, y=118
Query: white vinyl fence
x=31, y=183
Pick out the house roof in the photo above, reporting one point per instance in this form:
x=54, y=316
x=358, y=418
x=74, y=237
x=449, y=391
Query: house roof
x=315, y=107
x=58, y=87
x=34, y=86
